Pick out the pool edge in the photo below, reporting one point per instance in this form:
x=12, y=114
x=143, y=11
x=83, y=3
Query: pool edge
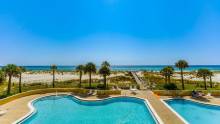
x=171, y=109
x=153, y=112
x=32, y=111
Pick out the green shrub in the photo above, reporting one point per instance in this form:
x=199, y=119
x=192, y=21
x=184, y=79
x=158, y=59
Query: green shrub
x=2, y=76
x=138, y=86
x=170, y=86
x=35, y=84
x=101, y=86
x=120, y=78
x=80, y=91
x=124, y=86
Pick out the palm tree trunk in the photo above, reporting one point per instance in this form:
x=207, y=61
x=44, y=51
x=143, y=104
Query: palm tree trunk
x=105, y=81
x=169, y=79
x=9, y=85
x=20, y=83
x=205, y=83
x=90, y=80
x=165, y=79
x=5, y=75
x=53, y=78
x=80, y=79
x=183, y=87
x=211, y=81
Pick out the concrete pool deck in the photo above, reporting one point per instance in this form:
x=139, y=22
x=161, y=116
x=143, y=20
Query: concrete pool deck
x=19, y=107
x=210, y=100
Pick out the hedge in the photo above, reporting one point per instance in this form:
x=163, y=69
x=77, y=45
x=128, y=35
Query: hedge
x=184, y=92
x=43, y=91
x=108, y=92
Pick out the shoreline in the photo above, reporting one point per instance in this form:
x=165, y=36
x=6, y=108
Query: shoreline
x=148, y=68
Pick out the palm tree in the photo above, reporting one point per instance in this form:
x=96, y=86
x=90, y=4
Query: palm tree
x=182, y=64
x=167, y=72
x=80, y=69
x=3, y=69
x=20, y=71
x=53, y=68
x=204, y=73
x=2, y=76
x=106, y=63
x=210, y=77
x=105, y=71
x=11, y=70
x=90, y=68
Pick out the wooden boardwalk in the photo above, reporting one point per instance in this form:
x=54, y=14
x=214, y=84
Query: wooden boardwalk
x=138, y=80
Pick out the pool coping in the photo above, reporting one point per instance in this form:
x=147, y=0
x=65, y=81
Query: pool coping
x=153, y=112
x=200, y=102
x=32, y=111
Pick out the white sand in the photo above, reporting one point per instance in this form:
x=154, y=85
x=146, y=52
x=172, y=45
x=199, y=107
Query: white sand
x=47, y=77
x=43, y=77
x=215, y=78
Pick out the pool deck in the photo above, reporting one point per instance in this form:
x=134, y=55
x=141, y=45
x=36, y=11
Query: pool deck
x=16, y=109
x=19, y=108
x=206, y=100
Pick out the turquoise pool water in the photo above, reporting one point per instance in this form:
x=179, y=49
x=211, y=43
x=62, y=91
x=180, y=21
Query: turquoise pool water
x=196, y=113
x=69, y=110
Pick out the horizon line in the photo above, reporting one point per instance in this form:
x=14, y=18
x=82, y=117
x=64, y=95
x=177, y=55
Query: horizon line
x=128, y=65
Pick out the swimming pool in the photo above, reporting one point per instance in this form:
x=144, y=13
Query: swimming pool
x=194, y=112
x=66, y=109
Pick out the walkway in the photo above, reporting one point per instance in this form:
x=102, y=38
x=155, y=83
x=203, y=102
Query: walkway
x=138, y=80
x=166, y=115
x=16, y=109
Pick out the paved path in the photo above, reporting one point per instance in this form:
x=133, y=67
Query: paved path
x=166, y=115
x=16, y=109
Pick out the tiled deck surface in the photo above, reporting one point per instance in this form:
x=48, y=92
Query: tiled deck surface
x=206, y=100
x=167, y=116
x=18, y=108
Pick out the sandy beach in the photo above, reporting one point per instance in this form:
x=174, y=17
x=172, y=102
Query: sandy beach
x=46, y=77
x=215, y=78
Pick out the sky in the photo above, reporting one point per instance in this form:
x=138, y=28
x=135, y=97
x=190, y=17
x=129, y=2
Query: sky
x=123, y=32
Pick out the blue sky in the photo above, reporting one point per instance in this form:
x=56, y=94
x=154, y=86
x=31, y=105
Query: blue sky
x=125, y=32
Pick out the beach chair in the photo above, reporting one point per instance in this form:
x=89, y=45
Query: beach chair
x=208, y=95
x=118, y=88
x=114, y=88
x=133, y=90
x=196, y=94
x=90, y=93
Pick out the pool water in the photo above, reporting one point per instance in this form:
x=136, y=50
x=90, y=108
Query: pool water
x=68, y=109
x=196, y=113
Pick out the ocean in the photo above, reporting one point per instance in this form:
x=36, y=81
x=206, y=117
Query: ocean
x=127, y=68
